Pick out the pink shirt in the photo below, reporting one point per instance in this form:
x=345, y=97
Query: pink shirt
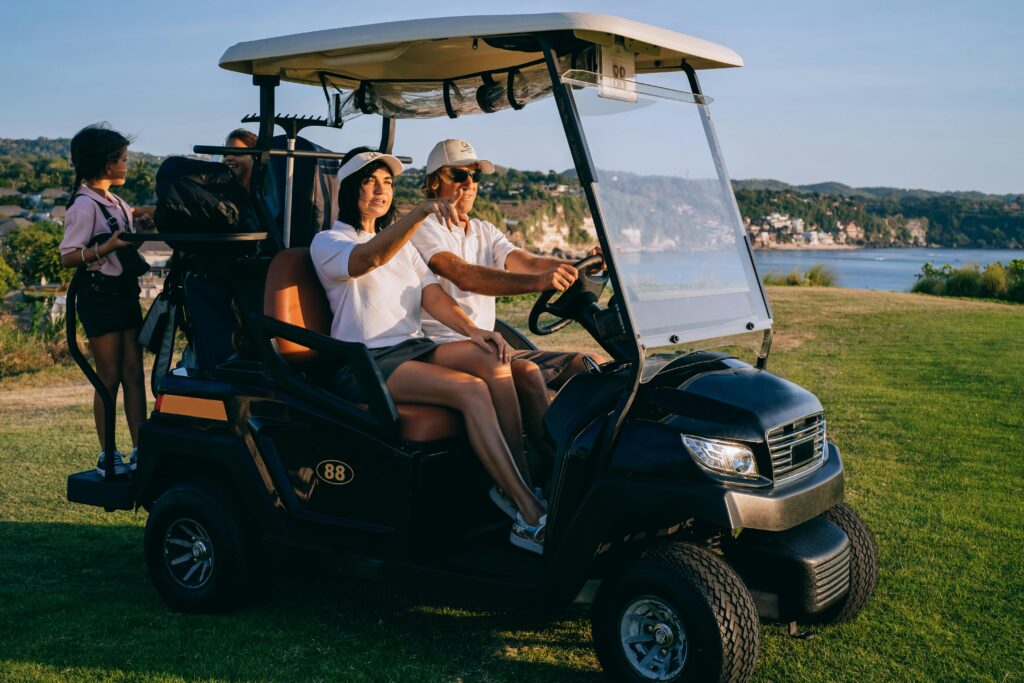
x=84, y=220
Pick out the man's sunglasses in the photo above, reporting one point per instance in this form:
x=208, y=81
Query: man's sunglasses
x=459, y=175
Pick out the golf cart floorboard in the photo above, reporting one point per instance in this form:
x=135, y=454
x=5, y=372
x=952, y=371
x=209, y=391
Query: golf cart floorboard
x=496, y=557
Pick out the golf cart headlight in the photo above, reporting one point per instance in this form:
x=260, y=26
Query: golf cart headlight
x=722, y=457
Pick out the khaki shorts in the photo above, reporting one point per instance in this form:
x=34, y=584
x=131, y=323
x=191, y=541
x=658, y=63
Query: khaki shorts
x=554, y=365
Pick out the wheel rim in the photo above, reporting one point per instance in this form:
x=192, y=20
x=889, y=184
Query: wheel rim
x=653, y=638
x=188, y=553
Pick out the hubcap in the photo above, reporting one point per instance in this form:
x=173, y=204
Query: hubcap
x=188, y=553
x=653, y=638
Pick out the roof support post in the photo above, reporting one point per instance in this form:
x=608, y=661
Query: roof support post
x=266, y=84
x=588, y=180
x=387, y=135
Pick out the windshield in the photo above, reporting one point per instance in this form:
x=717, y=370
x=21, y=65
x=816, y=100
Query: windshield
x=670, y=215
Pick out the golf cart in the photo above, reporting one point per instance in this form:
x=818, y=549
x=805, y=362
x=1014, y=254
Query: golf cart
x=692, y=493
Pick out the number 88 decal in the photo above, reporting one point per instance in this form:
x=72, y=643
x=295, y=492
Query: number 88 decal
x=334, y=472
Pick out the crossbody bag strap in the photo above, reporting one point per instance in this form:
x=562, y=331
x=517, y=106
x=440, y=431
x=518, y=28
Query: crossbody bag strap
x=124, y=212
x=111, y=221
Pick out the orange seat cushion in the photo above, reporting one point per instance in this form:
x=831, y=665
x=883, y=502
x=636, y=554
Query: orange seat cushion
x=422, y=423
x=293, y=294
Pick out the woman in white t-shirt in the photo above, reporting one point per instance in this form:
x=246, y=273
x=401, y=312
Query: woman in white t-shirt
x=377, y=286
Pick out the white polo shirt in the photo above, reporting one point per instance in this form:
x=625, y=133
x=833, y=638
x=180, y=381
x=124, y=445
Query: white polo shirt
x=481, y=244
x=379, y=308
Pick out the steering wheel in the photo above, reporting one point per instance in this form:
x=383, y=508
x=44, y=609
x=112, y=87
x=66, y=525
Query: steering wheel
x=585, y=291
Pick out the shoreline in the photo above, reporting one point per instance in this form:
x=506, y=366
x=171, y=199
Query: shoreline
x=812, y=247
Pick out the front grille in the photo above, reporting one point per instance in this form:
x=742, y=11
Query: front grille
x=797, y=448
x=832, y=579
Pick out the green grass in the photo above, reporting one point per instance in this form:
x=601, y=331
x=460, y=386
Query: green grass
x=924, y=396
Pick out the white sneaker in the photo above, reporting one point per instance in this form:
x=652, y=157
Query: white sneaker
x=504, y=503
x=121, y=468
x=528, y=537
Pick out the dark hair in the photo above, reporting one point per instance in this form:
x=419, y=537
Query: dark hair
x=243, y=135
x=348, y=194
x=92, y=149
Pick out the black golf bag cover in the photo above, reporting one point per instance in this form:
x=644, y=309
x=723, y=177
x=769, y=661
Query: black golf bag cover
x=194, y=196
x=314, y=191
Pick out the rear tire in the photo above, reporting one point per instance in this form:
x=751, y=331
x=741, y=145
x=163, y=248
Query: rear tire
x=863, y=566
x=196, y=549
x=679, y=613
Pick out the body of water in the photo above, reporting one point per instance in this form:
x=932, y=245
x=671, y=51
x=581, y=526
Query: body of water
x=881, y=269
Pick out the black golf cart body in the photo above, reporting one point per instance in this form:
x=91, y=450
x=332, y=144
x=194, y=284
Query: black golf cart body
x=395, y=491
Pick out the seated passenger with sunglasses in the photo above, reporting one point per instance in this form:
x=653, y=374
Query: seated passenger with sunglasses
x=476, y=263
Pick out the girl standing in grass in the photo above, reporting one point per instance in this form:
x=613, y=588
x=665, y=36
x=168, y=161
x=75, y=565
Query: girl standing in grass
x=108, y=300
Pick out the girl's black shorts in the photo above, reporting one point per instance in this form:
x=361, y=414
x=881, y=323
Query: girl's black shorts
x=109, y=304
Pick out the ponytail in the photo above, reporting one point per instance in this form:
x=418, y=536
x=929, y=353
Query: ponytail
x=75, y=187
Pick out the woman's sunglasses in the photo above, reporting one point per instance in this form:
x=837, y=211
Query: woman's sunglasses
x=459, y=175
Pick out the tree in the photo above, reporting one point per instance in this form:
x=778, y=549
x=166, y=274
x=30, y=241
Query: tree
x=8, y=278
x=34, y=253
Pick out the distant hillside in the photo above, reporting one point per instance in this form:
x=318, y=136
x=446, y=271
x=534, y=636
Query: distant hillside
x=841, y=189
x=31, y=166
x=548, y=209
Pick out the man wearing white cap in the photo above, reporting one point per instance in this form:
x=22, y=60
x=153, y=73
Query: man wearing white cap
x=476, y=263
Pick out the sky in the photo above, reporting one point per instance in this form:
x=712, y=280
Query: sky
x=915, y=94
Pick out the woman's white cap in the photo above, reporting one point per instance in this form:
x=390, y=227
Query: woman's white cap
x=455, y=153
x=364, y=158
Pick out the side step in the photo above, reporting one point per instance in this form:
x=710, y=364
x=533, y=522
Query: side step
x=89, y=488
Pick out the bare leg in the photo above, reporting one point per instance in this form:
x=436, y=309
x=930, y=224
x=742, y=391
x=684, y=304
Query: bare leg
x=132, y=379
x=418, y=382
x=107, y=350
x=467, y=357
x=535, y=401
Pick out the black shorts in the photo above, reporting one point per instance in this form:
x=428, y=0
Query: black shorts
x=388, y=359
x=108, y=304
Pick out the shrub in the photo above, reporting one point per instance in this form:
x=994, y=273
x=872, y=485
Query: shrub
x=964, y=281
x=994, y=281
x=34, y=253
x=818, y=276
x=30, y=340
x=1015, y=280
x=8, y=278
x=929, y=285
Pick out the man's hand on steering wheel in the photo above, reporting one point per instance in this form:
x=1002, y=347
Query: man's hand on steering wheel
x=582, y=291
x=559, y=278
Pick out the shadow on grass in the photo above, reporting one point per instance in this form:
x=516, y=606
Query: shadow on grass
x=77, y=600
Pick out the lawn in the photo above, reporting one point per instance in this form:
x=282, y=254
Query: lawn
x=925, y=397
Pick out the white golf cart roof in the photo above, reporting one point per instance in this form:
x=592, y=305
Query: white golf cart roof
x=450, y=47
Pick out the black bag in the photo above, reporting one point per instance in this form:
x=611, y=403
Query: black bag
x=314, y=191
x=196, y=196
x=162, y=344
x=132, y=264
x=151, y=332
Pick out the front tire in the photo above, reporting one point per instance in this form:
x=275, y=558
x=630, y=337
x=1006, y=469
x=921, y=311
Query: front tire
x=679, y=613
x=196, y=549
x=863, y=565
